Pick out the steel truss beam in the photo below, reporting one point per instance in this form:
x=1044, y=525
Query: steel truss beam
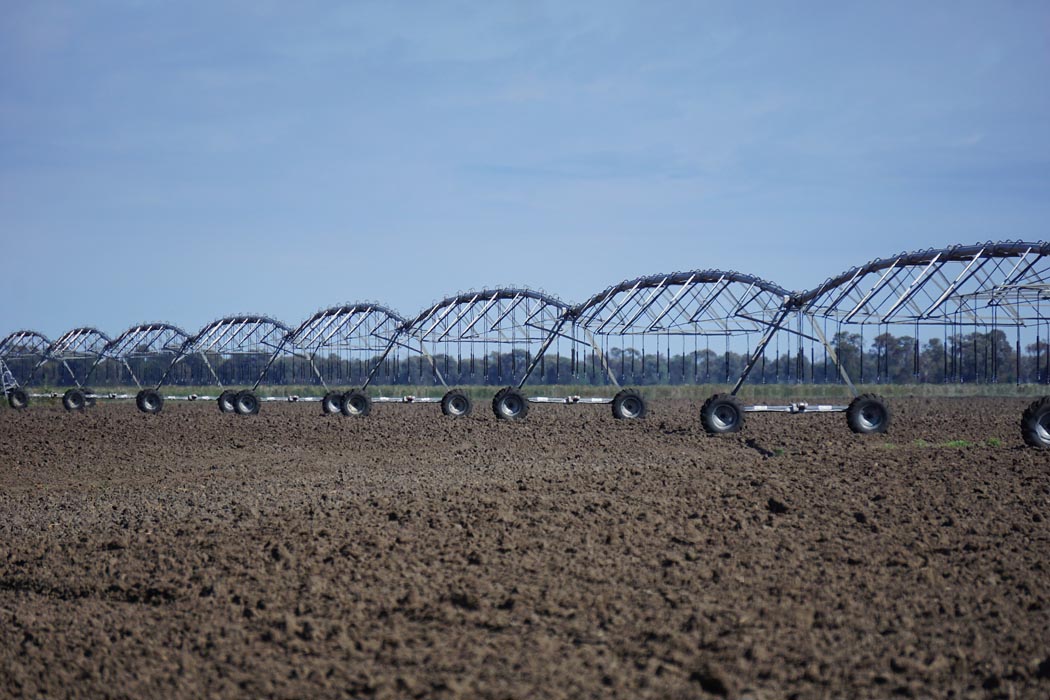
x=700, y=302
x=986, y=284
x=22, y=351
x=362, y=333
x=990, y=284
x=24, y=343
x=507, y=321
x=74, y=346
x=232, y=350
x=146, y=344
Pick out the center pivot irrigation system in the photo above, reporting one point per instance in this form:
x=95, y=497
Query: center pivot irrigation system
x=514, y=336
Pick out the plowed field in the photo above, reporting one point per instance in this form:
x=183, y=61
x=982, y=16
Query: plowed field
x=194, y=554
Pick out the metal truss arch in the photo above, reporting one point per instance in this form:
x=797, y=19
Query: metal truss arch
x=238, y=323
x=698, y=302
x=235, y=350
x=140, y=354
x=76, y=351
x=492, y=295
x=497, y=335
x=79, y=343
x=22, y=341
x=341, y=346
x=1002, y=283
x=343, y=311
x=23, y=351
x=146, y=337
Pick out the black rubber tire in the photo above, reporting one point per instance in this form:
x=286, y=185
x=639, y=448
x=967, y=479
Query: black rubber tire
x=73, y=400
x=18, y=399
x=1035, y=423
x=356, y=403
x=628, y=404
x=226, y=401
x=510, y=404
x=246, y=403
x=332, y=403
x=456, y=404
x=149, y=401
x=720, y=414
x=868, y=414
x=89, y=397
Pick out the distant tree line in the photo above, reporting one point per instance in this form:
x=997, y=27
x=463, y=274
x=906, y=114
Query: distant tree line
x=989, y=357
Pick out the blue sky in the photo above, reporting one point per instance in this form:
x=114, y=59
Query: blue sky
x=184, y=161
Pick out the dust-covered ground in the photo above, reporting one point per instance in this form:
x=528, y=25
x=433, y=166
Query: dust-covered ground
x=289, y=554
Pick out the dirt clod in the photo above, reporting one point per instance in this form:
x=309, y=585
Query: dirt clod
x=711, y=680
x=776, y=507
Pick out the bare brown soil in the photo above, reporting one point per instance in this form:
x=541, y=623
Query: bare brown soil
x=195, y=554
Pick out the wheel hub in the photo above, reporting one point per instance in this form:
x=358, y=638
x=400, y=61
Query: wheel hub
x=871, y=416
x=725, y=417
x=1042, y=428
x=631, y=407
x=511, y=405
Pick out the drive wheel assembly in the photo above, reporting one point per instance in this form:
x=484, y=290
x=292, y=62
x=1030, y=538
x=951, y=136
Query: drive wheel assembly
x=628, y=404
x=356, y=403
x=17, y=399
x=1035, y=423
x=246, y=403
x=868, y=413
x=225, y=401
x=332, y=403
x=510, y=404
x=149, y=401
x=722, y=413
x=73, y=400
x=456, y=404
